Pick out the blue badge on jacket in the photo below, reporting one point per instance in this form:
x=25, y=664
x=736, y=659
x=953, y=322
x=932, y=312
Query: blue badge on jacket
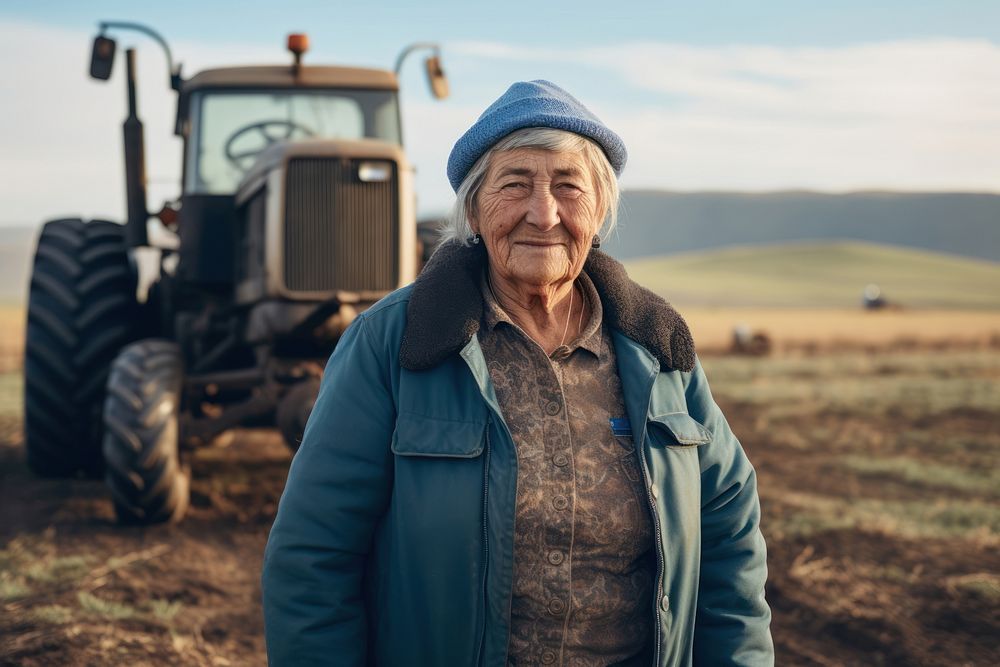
x=621, y=426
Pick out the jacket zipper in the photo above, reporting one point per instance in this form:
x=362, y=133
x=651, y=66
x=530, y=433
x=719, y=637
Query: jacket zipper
x=659, y=558
x=486, y=542
x=647, y=477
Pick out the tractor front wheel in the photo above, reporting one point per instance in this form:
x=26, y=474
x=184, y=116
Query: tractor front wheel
x=141, y=437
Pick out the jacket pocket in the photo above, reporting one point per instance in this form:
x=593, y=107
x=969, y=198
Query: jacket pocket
x=419, y=435
x=678, y=429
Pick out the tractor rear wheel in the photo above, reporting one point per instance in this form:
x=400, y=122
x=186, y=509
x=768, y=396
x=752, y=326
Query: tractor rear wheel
x=81, y=311
x=141, y=439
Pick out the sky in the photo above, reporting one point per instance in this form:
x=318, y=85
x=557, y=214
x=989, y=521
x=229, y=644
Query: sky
x=748, y=95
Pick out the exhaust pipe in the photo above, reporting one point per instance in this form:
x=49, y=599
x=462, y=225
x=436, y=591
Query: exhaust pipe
x=135, y=166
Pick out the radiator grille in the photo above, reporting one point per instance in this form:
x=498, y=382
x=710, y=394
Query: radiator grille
x=340, y=233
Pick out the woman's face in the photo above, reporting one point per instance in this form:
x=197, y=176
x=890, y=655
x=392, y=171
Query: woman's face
x=537, y=212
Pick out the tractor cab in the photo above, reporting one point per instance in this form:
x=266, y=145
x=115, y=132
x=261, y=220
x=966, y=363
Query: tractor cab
x=229, y=117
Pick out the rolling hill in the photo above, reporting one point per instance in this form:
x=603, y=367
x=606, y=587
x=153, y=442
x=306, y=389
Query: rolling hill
x=661, y=223
x=830, y=274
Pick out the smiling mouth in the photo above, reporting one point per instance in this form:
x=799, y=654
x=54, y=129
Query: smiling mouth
x=538, y=244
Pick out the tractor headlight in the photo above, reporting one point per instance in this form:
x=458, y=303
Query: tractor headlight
x=374, y=172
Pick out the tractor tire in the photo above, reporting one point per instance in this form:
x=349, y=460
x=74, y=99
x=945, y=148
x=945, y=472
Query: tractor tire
x=81, y=311
x=141, y=438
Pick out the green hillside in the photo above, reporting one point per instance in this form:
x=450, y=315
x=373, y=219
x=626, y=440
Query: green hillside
x=832, y=274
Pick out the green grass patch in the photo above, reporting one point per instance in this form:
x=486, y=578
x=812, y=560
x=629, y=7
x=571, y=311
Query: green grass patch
x=894, y=574
x=807, y=514
x=52, y=613
x=915, y=471
x=12, y=589
x=30, y=565
x=726, y=370
x=902, y=386
x=803, y=523
x=985, y=585
x=903, y=396
x=165, y=610
x=58, y=569
x=108, y=609
x=821, y=274
x=15, y=558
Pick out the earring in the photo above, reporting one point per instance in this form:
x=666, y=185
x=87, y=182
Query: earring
x=475, y=239
x=595, y=242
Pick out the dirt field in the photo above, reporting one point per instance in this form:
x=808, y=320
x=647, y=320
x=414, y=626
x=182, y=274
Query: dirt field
x=879, y=487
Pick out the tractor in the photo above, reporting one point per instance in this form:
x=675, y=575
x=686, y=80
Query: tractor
x=296, y=212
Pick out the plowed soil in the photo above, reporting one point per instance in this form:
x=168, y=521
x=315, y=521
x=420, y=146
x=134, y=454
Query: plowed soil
x=878, y=482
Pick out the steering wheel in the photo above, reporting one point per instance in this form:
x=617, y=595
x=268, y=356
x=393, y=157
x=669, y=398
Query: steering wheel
x=244, y=159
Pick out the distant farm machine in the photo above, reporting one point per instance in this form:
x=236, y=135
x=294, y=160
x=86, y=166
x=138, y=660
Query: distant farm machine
x=296, y=212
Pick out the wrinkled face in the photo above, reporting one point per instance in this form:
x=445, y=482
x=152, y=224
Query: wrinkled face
x=537, y=212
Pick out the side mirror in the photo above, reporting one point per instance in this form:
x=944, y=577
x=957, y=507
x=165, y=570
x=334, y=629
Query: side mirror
x=436, y=78
x=102, y=57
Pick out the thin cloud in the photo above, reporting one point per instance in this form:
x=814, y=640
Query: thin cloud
x=914, y=114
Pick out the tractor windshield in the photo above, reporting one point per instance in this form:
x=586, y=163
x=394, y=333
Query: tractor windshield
x=230, y=128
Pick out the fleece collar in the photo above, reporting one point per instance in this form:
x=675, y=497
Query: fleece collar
x=446, y=307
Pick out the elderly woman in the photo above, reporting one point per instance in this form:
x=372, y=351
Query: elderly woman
x=517, y=460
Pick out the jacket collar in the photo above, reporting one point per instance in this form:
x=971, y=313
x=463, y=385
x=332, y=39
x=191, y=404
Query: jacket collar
x=446, y=306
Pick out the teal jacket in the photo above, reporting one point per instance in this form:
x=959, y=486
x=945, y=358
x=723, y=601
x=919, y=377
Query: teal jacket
x=393, y=541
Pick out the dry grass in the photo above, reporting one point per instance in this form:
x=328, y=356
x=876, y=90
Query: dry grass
x=11, y=390
x=11, y=337
x=713, y=327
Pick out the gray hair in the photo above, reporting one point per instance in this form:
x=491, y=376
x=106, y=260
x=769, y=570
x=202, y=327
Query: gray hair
x=456, y=226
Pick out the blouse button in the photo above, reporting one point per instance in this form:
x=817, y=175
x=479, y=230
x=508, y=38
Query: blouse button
x=560, y=502
x=653, y=491
x=557, y=607
x=665, y=603
x=552, y=408
x=560, y=460
x=556, y=557
x=548, y=657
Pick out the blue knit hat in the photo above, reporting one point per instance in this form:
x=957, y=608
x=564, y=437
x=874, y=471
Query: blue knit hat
x=531, y=104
